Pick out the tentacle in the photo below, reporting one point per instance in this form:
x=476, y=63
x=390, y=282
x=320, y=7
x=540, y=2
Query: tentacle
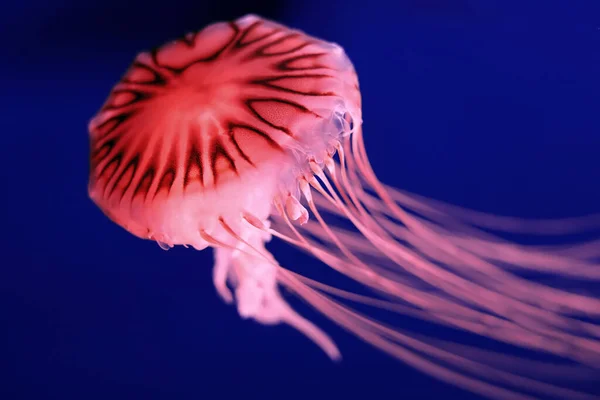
x=507, y=294
x=432, y=359
x=451, y=366
x=457, y=220
x=436, y=209
x=442, y=270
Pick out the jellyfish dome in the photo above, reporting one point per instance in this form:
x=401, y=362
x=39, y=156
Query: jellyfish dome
x=249, y=130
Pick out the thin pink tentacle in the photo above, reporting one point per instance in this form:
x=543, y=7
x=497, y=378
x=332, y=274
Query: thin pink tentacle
x=532, y=323
x=434, y=208
x=544, y=296
x=407, y=348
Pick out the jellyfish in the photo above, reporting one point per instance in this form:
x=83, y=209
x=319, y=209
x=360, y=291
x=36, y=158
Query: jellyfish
x=249, y=130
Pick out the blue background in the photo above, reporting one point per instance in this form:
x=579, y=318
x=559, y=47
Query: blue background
x=488, y=104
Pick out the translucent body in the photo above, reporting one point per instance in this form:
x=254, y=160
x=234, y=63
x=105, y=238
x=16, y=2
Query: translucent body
x=223, y=137
x=204, y=117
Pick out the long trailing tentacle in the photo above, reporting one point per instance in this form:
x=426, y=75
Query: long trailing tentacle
x=428, y=356
x=437, y=267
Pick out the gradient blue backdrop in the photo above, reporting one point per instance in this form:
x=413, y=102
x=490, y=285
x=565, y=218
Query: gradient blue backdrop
x=489, y=104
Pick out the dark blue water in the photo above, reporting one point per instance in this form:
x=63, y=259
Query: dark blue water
x=488, y=104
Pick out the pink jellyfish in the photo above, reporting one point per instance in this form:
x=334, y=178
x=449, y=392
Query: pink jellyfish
x=248, y=129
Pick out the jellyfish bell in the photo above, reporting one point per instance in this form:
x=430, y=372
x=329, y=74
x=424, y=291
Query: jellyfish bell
x=250, y=130
x=211, y=125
